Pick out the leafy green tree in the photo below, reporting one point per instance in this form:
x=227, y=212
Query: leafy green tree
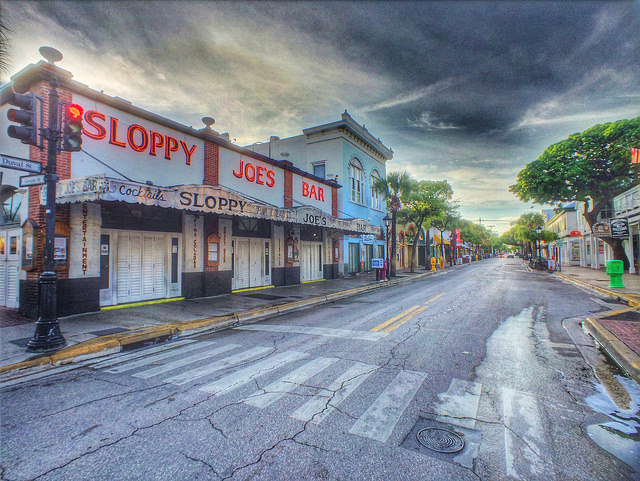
x=510, y=238
x=446, y=221
x=472, y=233
x=396, y=185
x=423, y=202
x=591, y=167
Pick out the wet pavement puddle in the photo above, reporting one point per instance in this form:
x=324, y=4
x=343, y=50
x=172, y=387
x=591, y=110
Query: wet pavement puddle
x=621, y=435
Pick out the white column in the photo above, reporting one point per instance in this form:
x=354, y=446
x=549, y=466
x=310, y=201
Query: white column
x=629, y=252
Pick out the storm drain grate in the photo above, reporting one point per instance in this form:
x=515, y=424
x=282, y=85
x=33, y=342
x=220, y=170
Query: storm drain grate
x=440, y=440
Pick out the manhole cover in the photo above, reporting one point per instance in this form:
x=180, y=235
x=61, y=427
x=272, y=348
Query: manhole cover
x=440, y=440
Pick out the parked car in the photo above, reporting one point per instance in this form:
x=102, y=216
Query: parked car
x=510, y=256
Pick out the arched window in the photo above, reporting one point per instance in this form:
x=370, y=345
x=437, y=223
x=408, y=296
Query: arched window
x=375, y=196
x=356, y=178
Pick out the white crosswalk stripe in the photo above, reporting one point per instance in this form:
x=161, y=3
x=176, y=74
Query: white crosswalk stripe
x=524, y=437
x=288, y=382
x=247, y=374
x=193, y=374
x=323, y=403
x=144, y=352
x=459, y=405
x=382, y=416
x=170, y=366
x=316, y=331
x=130, y=366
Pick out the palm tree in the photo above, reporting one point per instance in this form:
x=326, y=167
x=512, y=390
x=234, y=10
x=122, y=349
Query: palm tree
x=394, y=187
x=4, y=40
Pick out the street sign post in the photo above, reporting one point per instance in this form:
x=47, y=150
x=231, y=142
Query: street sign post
x=29, y=180
x=16, y=163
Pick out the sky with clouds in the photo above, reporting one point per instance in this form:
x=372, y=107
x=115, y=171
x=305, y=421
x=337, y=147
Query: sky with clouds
x=469, y=92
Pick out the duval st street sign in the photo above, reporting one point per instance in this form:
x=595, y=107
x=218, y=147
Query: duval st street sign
x=16, y=163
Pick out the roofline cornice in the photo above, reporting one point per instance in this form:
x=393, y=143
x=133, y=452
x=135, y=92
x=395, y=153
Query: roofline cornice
x=23, y=80
x=356, y=129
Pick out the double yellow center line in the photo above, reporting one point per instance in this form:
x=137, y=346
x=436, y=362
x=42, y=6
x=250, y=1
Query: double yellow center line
x=404, y=316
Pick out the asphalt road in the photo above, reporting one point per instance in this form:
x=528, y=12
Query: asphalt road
x=475, y=361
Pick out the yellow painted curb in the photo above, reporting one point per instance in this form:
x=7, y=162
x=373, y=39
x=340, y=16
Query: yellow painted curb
x=164, y=330
x=200, y=323
x=262, y=311
x=40, y=361
x=304, y=302
x=88, y=347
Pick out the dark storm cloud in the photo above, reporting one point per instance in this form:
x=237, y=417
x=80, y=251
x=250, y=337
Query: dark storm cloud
x=500, y=58
x=466, y=91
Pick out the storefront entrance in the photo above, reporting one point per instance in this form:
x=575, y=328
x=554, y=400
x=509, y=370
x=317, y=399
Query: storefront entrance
x=251, y=263
x=10, y=243
x=310, y=261
x=141, y=266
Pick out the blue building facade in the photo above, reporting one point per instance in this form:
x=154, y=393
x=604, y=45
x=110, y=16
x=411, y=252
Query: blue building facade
x=348, y=153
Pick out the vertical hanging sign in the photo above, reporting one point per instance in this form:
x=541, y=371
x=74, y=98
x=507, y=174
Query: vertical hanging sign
x=85, y=215
x=195, y=241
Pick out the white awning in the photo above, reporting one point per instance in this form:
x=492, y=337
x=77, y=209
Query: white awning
x=199, y=198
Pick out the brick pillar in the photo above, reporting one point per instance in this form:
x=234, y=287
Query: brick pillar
x=63, y=169
x=211, y=163
x=288, y=188
x=334, y=202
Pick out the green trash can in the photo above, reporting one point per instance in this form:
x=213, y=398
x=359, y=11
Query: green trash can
x=615, y=269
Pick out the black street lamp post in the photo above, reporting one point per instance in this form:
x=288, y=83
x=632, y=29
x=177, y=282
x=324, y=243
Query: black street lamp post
x=387, y=221
x=47, y=335
x=538, y=247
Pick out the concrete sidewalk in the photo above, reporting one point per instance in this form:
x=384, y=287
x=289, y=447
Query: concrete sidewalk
x=618, y=332
x=114, y=330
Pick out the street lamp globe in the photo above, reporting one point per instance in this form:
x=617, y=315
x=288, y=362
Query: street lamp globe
x=538, y=229
x=387, y=221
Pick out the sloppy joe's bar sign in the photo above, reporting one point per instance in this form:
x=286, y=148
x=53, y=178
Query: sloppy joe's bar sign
x=199, y=198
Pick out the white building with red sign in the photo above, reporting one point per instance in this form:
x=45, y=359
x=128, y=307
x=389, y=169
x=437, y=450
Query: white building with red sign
x=152, y=209
x=348, y=153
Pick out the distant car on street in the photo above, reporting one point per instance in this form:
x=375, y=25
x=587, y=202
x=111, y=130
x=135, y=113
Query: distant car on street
x=510, y=256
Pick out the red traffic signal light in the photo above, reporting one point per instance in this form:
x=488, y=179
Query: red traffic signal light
x=72, y=131
x=74, y=111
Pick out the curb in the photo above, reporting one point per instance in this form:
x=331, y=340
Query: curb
x=617, y=350
x=617, y=295
x=113, y=343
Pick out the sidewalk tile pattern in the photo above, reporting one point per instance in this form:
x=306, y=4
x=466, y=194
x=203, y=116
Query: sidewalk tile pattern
x=627, y=331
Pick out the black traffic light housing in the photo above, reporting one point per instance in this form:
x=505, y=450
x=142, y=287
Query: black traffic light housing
x=72, y=130
x=25, y=115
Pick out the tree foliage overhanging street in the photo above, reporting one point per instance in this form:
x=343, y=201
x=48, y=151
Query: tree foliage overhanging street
x=426, y=203
x=591, y=167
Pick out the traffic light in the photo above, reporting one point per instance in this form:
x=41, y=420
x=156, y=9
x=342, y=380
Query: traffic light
x=25, y=115
x=72, y=131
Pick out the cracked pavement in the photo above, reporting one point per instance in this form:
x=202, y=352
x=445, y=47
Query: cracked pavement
x=495, y=326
